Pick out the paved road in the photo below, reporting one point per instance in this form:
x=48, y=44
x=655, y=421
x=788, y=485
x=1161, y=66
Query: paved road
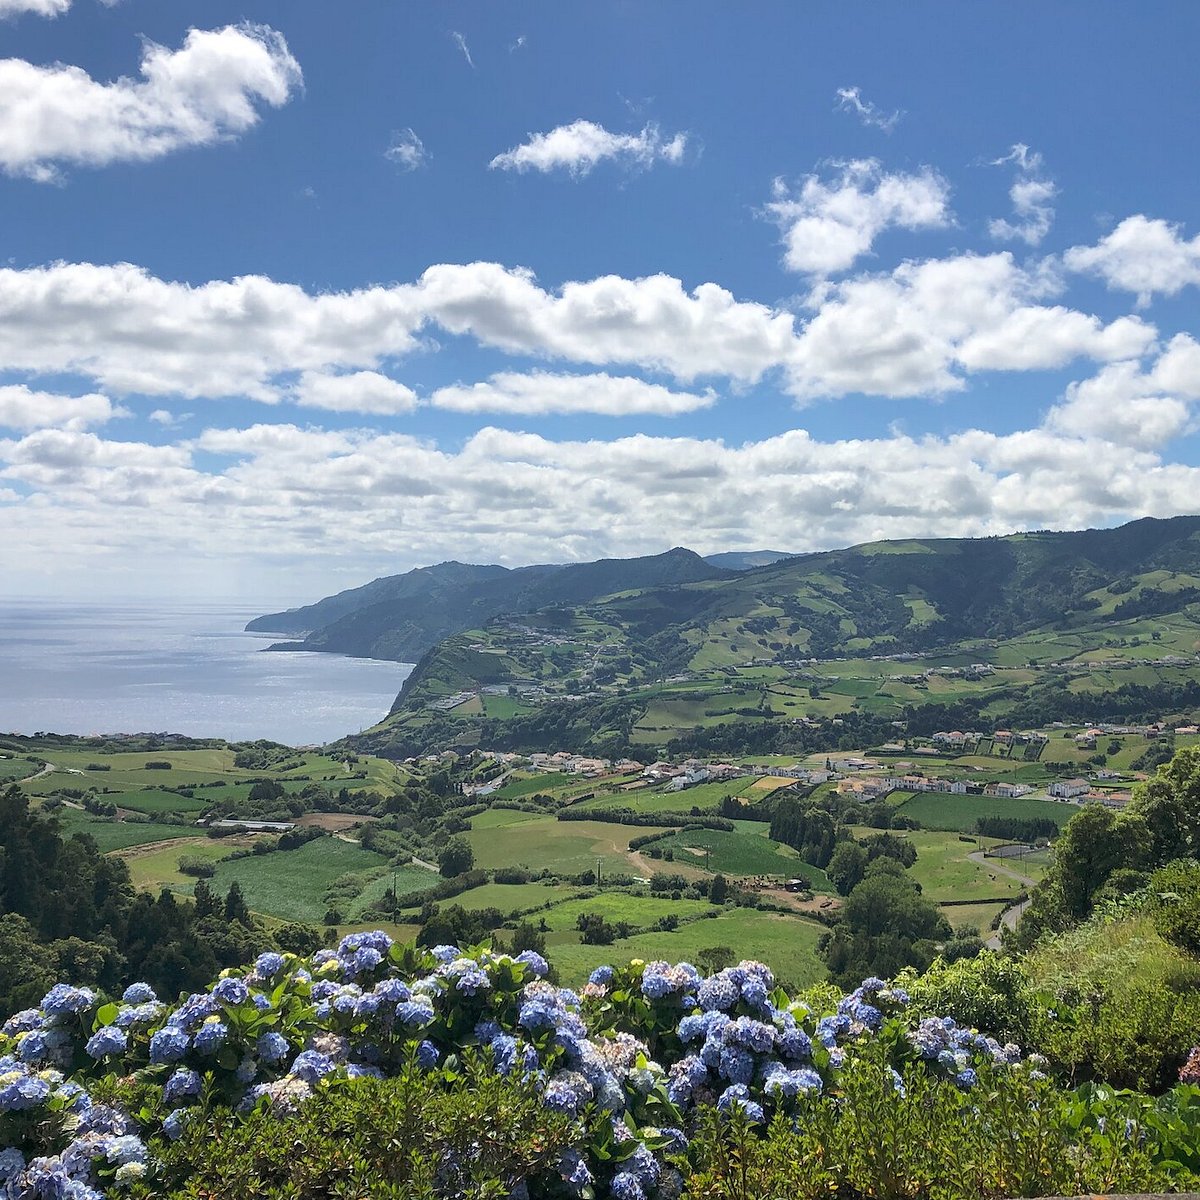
x=1010, y=916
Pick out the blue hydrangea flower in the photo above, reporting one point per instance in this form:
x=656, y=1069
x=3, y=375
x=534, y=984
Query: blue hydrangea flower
x=211, y=1036
x=169, y=1044
x=182, y=1085
x=272, y=1047
x=139, y=993
x=427, y=1055
x=535, y=963
x=232, y=991
x=106, y=1041
x=268, y=965
x=23, y=1093
x=311, y=1065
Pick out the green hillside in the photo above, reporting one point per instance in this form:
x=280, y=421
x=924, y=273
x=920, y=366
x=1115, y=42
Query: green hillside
x=1028, y=628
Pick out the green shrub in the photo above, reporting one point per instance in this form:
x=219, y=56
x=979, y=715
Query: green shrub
x=892, y=1138
x=991, y=993
x=407, y=1137
x=1176, y=889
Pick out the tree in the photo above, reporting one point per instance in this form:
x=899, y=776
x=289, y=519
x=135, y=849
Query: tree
x=1170, y=805
x=715, y=958
x=1093, y=844
x=1177, y=907
x=847, y=867
x=886, y=925
x=718, y=890
x=235, y=905
x=456, y=857
x=527, y=937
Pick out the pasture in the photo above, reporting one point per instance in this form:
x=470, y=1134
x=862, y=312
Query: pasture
x=156, y=865
x=568, y=847
x=291, y=884
x=109, y=834
x=737, y=854
x=939, y=810
x=789, y=944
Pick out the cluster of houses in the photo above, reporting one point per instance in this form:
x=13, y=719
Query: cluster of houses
x=956, y=739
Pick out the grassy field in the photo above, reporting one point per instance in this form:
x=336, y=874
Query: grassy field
x=115, y=835
x=291, y=884
x=155, y=802
x=569, y=847
x=640, y=911
x=406, y=879
x=704, y=796
x=788, y=944
x=16, y=768
x=156, y=865
x=973, y=918
x=938, y=810
x=546, y=782
x=738, y=853
x=513, y=897
x=946, y=873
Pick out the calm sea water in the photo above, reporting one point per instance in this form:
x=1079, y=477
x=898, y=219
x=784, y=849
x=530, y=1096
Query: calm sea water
x=177, y=668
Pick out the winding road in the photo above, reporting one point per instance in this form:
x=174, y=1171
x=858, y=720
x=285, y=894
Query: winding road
x=1010, y=916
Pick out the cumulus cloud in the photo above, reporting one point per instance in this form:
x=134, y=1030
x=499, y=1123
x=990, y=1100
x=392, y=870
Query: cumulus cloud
x=407, y=150
x=581, y=145
x=21, y=408
x=1032, y=197
x=206, y=91
x=826, y=226
x=1142, y=255
x=39, y=8
x=919, y=329
x=850, y=99
x=136, y=333
x=540, y=392
x=357, y=392
x=1124, y=404
x=287, y=494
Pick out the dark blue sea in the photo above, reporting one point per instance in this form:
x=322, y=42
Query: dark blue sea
x=174, y=667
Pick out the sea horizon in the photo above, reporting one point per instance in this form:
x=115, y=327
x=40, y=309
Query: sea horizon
x=177, y=666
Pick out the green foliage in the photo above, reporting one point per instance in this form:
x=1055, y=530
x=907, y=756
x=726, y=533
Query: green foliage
x=456, y=858
x=895, y=1137
x=410, y=1137
x=886, y=925
x=1117, y=1002
x=990, y=992
x=1176, y=889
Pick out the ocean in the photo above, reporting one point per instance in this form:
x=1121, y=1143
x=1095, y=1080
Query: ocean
x=177, y=667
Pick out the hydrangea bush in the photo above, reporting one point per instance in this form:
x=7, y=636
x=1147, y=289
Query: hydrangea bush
x=637, y=1056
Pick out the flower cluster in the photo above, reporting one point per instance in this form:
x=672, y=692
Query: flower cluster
x=633, y=1056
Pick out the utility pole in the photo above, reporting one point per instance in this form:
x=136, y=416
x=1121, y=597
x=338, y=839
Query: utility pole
x=597, y=872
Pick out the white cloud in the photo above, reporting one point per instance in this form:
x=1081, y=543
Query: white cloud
x=1124, y=404
x=850, y=100
x=541, y=392
x=461, y=43
x=914, y=331
x=826, y=226
x=918, y=329
x=1142, y=255
x=579, y=146
x=21, y=408
x=39, y=8
x=407, y=150
x=202, y=93
x=358, y=392
x=289, y=496
x=1032, y=198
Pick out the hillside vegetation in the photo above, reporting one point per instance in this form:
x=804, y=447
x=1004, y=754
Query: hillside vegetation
x=1024, y=629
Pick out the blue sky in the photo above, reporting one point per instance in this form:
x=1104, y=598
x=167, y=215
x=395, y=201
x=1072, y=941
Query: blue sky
x=296, y=294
